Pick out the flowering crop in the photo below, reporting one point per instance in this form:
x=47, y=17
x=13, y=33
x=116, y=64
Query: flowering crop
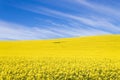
x=59, y=68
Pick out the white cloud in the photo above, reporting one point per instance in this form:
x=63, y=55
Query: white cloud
x=97, y=25
x=19, y=32
x=95, y=22
x=14, y=31
x=100, y=8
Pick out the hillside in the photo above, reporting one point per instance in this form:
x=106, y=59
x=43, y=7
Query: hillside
x=108, y=45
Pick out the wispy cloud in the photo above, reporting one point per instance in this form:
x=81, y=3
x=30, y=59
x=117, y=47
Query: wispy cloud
x=14, y=31
x=76, y=25
x=94, y=22
x=100, y=8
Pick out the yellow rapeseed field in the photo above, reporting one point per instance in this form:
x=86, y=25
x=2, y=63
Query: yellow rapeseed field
x=85, y=58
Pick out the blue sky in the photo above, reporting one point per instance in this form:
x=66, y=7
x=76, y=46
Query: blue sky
x=48, y=19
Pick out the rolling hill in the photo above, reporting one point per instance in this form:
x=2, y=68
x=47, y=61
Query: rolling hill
x=107, y=45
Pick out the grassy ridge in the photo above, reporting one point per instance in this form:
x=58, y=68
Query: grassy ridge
x=85, y=46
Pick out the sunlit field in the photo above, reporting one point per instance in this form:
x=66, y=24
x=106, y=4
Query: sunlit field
x=85, y=58
x=59, y=69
